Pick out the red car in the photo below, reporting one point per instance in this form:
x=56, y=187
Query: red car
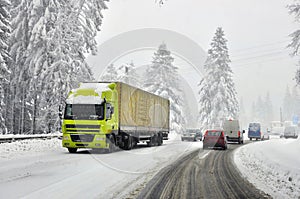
x=214, y=139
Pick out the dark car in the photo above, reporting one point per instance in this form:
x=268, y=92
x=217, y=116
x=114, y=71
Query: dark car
x=192, y=135
x=214, y=139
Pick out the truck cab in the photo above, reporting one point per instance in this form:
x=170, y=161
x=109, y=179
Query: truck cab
x=89, y=118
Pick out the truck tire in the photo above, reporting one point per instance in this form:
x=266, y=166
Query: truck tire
x=151, y=142
x=72, y=150
x=160, y=140
x=128, y=143
x=112, y=144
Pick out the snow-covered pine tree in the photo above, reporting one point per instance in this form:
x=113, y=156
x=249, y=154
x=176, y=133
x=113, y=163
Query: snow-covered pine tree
x=110, y=73
x=296, y=100
x=294, y=9
x=48, y=43
x=4, y=58
x=129, y=74
x=161, y=78
x=297, y=76
x=217, y=90
x=19, y=78
x=73, y=35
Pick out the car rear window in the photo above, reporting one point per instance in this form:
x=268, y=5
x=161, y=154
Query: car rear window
x=214, y=133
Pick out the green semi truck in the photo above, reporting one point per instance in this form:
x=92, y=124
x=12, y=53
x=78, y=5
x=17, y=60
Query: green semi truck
x=107, y=115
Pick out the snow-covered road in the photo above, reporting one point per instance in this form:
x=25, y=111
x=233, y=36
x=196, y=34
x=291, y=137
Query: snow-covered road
x=42, y=168
x=272, y=166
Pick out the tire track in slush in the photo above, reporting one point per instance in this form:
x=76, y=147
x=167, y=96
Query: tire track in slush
x=201, y=174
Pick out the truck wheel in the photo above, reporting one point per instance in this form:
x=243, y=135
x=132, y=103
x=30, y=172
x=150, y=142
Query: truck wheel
x=112, y=144
x=72, y=150
x=160, y=140
x=151, y=142
x=128, y=143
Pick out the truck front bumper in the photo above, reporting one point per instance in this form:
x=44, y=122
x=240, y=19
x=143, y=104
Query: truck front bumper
x=85, y=141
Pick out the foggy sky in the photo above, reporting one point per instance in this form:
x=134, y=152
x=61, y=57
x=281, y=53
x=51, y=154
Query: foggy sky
x=257, y=33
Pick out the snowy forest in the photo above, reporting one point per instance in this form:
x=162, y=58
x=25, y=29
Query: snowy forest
x=44, y=44
x=42, y=56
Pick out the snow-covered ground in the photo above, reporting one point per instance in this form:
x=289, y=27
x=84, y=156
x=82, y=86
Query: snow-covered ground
x=42, y=168
x=35, y=168
x=272, y=166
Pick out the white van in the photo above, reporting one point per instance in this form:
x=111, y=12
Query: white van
x=233, y=132
x=290, y=132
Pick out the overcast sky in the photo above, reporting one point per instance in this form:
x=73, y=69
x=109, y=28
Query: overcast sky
x=257, y=33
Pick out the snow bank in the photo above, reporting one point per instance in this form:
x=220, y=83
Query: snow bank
x=272, y=166
x=21, y=148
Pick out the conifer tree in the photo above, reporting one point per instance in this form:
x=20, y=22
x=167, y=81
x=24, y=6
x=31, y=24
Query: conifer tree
x=129, y=74
x=216, y=89
x=48, y=46
x=294, y=9
x=161, y=78
x=110, y=73
x=4, y=58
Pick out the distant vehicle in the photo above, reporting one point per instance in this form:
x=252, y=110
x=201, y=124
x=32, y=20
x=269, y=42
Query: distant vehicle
x=277, y=128
x=254, y=131
x=192, y=135
x=290, y=132
x=214, y=139
x=233, y=132
x=266, y=135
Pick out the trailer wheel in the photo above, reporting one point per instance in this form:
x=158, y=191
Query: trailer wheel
x=151, y=142
x=72, y=150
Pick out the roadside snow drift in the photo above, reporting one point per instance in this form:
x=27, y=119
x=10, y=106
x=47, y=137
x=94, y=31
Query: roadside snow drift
x=272, y=166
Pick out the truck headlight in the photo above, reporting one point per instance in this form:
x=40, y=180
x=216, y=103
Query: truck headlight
x=65, y=137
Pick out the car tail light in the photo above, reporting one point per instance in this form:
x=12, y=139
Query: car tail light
x=239, y=134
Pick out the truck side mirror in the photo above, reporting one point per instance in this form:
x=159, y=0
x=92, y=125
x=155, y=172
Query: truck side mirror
x=109, y=111
x=112, y=110
x=60, y=114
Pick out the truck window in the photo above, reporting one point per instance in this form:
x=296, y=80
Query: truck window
x=254, y=127
x=84, y=111
x=109, y=111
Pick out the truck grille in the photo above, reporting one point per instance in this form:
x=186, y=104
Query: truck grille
x=82, y=126
x=82, y=137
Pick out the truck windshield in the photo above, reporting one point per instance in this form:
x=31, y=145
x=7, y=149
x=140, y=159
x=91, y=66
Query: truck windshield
x=84, y=111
